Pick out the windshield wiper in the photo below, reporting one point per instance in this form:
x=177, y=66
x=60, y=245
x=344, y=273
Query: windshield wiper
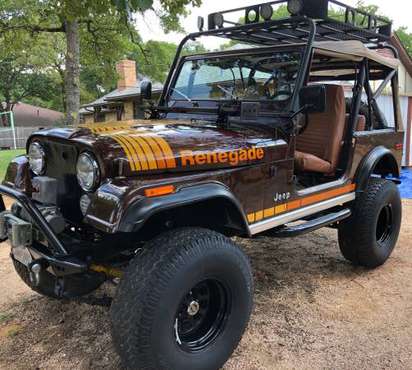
x=181, y=94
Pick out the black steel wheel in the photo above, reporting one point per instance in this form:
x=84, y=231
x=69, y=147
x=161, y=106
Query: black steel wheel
x=384, y=225
x=183, y=303
x=370, y=234
x=202, y=315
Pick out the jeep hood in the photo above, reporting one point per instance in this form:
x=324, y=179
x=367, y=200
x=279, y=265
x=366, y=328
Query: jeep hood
x=144, y=147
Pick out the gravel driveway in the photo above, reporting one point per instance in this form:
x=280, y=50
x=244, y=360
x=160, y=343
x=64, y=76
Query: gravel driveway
x=313, y=310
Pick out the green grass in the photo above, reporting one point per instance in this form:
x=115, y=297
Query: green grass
x=5, y=157
x=4, y=317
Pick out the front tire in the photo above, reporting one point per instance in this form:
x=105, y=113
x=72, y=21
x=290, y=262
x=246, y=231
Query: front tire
x=370, y=235
x=183, y=303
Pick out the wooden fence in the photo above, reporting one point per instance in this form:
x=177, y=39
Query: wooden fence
x=22, y=134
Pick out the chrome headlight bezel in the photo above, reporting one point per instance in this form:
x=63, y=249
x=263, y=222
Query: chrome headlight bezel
x=93, y=169
x=36, y=147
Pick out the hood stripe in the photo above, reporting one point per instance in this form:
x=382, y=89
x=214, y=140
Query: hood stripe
x=135, y=166
x=161, y=164
x=139, y=155
x=169, y=156
x=148, y=152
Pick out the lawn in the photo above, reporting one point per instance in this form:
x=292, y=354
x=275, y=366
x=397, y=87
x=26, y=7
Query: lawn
x=5, y=157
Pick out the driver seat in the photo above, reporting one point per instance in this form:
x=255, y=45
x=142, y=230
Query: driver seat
x=318, y=147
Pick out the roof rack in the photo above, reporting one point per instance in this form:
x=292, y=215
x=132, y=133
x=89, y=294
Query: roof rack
x=334, y=20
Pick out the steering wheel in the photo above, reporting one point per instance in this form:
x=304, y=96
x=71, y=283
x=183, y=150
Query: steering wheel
x=282, y=96
x=273, y=93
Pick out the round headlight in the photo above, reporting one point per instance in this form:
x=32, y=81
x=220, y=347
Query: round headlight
x=88, y=172
x=295, y=7
x=37, y=158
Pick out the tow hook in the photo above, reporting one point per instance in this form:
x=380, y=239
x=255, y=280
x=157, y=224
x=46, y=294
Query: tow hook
x=35, y=269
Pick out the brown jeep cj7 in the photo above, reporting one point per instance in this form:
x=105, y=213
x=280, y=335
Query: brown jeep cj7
x=278, y=136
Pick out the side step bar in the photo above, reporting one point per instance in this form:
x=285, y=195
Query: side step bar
x=312, y=225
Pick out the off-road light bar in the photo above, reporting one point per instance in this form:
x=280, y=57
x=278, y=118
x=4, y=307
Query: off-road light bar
x=218, y=20
x=266, y=12
x=252, y=14
x=357, y=24
x=295, y=7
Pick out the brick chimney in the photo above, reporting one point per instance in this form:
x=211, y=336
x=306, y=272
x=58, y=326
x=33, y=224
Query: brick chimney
x=126, y=70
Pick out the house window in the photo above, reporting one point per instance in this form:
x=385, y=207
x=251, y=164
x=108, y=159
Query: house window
x=99, y=116
x=137, y=110
x=119, y=112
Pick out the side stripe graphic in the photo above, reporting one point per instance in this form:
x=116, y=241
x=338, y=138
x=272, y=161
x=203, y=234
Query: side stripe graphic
x=299, y=203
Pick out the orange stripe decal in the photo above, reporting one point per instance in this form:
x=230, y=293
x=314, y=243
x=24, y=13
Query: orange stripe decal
x=140, y=156
x=157, y=152
x=133, y=159
x=126, y=149
x=168, y=154
x=299, y=203
x=251, y=217
x=148, y=152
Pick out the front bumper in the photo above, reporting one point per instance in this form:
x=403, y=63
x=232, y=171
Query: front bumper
x=54, y=255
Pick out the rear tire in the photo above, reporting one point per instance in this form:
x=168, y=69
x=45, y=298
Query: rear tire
x=183, y=303
x=369, y=236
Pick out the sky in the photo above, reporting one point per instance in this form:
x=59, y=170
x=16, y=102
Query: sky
x=400, y=11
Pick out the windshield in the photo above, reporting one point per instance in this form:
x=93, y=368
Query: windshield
x=265, y=77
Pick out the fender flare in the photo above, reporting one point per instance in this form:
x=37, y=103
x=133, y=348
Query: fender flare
x=140, y=211
x=379, y=156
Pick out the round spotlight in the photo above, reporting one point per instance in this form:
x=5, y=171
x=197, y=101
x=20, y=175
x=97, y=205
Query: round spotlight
x=295, y=7
x=252, y=16
x=219, y=20
x=266, y=11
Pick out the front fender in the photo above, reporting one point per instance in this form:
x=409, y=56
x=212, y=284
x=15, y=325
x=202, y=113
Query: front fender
x=139, y=212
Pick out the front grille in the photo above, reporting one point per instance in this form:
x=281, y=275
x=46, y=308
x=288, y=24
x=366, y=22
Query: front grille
x=61, y=161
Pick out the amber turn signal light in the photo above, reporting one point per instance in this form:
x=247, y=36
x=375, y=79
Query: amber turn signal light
x=161, y=190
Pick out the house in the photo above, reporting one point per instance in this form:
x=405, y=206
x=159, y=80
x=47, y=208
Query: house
x=122, y=104
x=405, y=89
x=27, y=119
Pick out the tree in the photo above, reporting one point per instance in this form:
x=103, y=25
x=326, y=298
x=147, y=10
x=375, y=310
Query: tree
x=406, y=39
x=72, y=17
x=22, y=71
x=154, y=58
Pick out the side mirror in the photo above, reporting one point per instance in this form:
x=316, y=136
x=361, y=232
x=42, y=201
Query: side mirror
x=146, y=89
x=313, y=99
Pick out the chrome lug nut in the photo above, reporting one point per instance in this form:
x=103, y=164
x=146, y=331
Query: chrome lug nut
x=193, y=308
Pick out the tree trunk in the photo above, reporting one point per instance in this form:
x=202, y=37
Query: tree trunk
x=72, y=80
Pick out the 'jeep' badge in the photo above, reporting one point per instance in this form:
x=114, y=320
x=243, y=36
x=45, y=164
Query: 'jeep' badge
x=280, y=197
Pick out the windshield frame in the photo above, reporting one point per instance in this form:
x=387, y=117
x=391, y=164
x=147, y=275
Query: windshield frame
x=301, y=47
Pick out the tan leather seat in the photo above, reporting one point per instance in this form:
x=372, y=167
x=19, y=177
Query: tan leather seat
x=361, y=125
x=319, y=146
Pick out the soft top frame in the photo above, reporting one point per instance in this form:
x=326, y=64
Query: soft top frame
x=373, y=31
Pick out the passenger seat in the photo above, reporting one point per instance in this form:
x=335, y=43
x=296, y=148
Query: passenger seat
x=318, y=147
